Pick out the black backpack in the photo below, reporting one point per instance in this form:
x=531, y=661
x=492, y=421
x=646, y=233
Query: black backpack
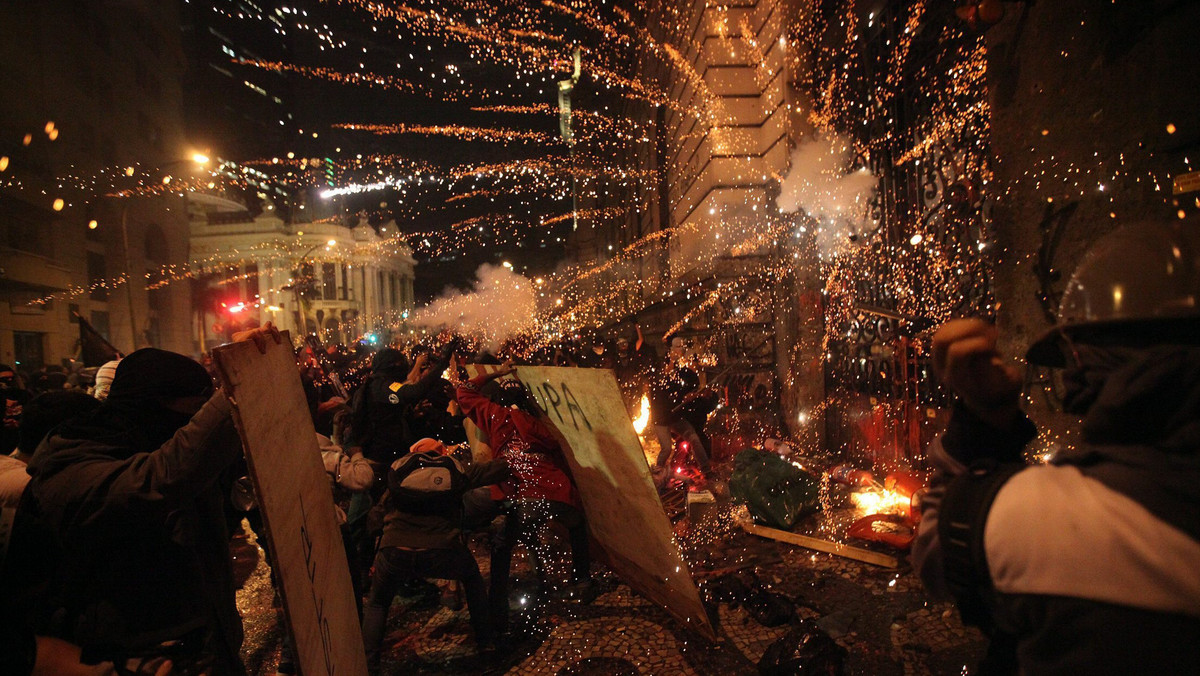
x=427, y=483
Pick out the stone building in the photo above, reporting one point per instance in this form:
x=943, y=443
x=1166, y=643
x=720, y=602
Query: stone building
x=327, y=279
x=73, y=120
x=1004, y=139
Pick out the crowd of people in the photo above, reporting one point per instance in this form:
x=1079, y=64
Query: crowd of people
x=121, y=489
x=118, y=502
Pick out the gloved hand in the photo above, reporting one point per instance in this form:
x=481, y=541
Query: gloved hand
x=965, y=359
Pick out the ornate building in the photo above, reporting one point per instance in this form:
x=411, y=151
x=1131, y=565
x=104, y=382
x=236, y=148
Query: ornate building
x=325, y=279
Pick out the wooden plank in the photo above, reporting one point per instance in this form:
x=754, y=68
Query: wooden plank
x=845, y=551
x=297, y=505
x=625, y=516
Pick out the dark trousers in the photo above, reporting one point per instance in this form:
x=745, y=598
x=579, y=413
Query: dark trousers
x=393, y=566
x=524, y=522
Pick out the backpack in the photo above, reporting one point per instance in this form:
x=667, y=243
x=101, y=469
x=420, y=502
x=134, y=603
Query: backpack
x=427, y=483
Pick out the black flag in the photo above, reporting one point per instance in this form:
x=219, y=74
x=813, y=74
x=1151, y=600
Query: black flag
x=94, y=349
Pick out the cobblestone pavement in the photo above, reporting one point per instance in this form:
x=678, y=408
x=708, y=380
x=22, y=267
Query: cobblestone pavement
x=880, y=616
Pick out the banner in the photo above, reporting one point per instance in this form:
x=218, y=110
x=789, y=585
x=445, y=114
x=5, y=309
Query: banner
x=94, y=350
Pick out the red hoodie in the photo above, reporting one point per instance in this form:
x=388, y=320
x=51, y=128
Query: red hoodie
x=539, y=470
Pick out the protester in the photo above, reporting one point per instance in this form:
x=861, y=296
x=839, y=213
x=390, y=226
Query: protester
x=422, y=536
x=130, y=491
x=383, y=406
x=632, y=361
x=540, y=489
x=13, y=398
x=679, y=408
x=1088, y=564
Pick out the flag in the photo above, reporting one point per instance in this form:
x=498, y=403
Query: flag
x=94, y=349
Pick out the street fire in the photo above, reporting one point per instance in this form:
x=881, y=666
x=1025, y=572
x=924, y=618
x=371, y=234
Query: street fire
x=881, y=501
x=643, y=420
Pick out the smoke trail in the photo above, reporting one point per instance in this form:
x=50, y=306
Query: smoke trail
x=501, y=304
x=821, y=185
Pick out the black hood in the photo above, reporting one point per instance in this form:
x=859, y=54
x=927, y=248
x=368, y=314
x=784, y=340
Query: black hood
x=1142, y=431
x=389, y=359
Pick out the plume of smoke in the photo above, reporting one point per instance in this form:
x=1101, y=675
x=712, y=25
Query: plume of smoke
x=820, y=184
x=500, y=305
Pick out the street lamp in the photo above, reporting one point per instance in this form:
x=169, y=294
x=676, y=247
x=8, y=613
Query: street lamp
x=200, y=160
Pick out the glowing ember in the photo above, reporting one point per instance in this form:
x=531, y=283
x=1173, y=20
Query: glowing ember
x=643, y=419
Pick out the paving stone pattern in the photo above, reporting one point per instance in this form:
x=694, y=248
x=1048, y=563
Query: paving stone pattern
x=881, y=616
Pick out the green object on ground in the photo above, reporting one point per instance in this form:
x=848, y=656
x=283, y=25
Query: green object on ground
x=777, y=492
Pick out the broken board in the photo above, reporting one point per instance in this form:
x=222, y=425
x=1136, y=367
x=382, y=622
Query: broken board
x=836, y=548
x=624, y=514
x=297, y=505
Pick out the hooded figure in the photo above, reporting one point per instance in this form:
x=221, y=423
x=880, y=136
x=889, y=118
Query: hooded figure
x=1089, y=564
x=384, y=404
x=131, y=492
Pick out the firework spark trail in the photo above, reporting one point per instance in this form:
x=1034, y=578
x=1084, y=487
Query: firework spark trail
x=457, y=131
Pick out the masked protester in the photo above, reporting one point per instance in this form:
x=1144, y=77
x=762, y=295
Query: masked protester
x=130, y=491
x=1087, y=564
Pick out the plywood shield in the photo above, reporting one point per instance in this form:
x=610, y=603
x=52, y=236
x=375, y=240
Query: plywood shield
x=297, y=505
x=624, y=513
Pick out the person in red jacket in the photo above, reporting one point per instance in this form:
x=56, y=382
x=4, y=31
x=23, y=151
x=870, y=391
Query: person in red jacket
x=540, y=488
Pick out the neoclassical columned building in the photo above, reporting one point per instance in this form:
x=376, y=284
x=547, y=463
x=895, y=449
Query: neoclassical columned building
x=324, y=278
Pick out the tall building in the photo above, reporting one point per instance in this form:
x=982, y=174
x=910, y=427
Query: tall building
x=89, y=89
x=327, y=279
x=704, y=169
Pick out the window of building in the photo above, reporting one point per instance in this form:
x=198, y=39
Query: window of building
x=29, y=350
x=345, y=283
x=329, y=281
x=97, y=269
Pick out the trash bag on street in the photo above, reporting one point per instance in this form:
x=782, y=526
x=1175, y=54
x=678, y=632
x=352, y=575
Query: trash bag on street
x=805, y=650
x=777, y=492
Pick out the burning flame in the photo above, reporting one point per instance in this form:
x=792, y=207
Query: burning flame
x=881, y=501
x=643, y=419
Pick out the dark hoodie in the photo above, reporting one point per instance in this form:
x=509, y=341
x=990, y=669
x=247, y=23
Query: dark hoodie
x=384, y=407
x=130, y=490
x=1082, y=579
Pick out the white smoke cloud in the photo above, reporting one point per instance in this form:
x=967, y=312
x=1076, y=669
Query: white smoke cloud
x=500, y=305
x=820, y=184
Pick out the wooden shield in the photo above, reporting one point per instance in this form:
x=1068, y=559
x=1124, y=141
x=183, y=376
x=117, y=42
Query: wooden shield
x=294, y=495
x=624, y=513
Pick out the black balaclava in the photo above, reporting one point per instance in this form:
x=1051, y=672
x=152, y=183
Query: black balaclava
x=143, y=382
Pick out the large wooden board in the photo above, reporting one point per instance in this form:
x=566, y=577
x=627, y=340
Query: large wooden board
x=297, y=505
x=624, y=513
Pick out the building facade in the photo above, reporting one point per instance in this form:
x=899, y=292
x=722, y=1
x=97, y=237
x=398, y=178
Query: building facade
x=73, y=121
x=324, y=279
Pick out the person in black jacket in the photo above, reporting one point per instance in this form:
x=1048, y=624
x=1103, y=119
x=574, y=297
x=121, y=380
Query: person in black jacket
x=383, y=408
x=130, y=490
x=1089, y=564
